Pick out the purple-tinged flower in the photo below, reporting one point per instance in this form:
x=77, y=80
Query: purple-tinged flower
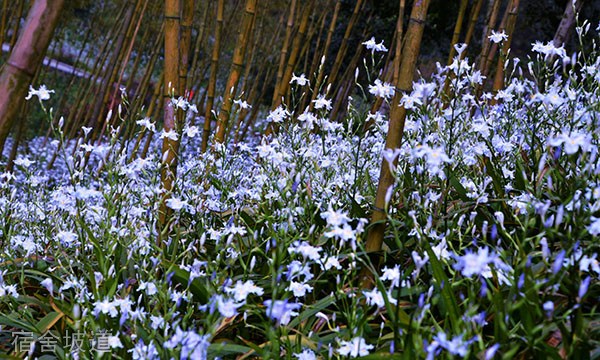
x=281, y=310
x=548, y=307
x=583, y=288
x=558, y=262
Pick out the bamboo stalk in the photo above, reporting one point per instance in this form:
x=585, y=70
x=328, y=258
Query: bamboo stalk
x=171, y=85
x=473, y=16
x=291, y=63
x=26, y=57
x=185, y=42
x=321, y=74
x=15, y=34
x=457, y=29
x=513, y=11
x=391, y=70
x=491, y=24
x=212, y=82
x=284, y=50
x=408, y=60
x=234, y=74
x=116, y=75
x=198, y=46
x=344, y=45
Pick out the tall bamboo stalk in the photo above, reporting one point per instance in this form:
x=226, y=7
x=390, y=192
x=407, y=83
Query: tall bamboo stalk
x=212, y=81
x=284, y=50
x=122, y=58
x=344, y=45
x=566, y=23
x=513, y=10
x=321, y=74
x=457, y=29
x=410, y=53
x=26, y=57
x=171, y=86
x=391, y=70
x=236, y=69
x=473, y=16
x=490, y=24
x=185, y=41
x=198, y=46
x=15, y=34
x=97, y=115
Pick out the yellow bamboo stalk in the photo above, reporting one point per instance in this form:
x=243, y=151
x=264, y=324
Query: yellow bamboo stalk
x=171, y=85
x=212, y=81
x=330, y=32
x=26, y=57
x=344, y=45
x=511, y=21
x=185, y=41
x=457, y=29
x=236, y=69
x=284, y=50
x=408, y=60
x=491, y=24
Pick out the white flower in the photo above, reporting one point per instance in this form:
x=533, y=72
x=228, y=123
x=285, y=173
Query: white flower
x=380, y=89
x=373, y=46
x=242, y=104
x=227, y=307
x=114, y=342
x=191, y=131
x=321, y=103
x=241, y=290
x=176, y=204
x=105, y=307
x=48, y=284
x=278, y=115
x=335, y=218
x=299, y=289
x=594, y=227
x=24, y=162
x=42, y=93
x=498, y=37
x=305, y=249
x=180, y=103
x=392, y=275
x=145, y=122
x=67, y=238
x=300, y=80
x=171, y=135
x=548, y=49
x=354, y=348
x=86, y=130
x=306, y=354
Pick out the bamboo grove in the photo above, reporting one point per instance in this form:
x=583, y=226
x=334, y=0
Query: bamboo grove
x=221, y=55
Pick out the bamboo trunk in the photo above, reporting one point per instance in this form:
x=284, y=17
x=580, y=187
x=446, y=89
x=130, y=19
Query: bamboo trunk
x=410, y=53
x=566, y=23
x=393, y=70
x=284, y=50
x=27, y=56
x=321, y=73
x=197, y=47
x=491, y=24
x=344, y=45
x=457, y=29
x=171, y=86
x=212, y=81
x=513, y=10
x=236, y=69
x=187, y=19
